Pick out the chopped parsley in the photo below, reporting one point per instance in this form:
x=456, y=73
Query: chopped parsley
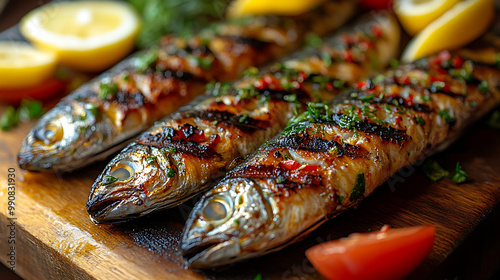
x=327, y=59
x=279, y=181
x=446, y=116
x=434, y=171
x=420, y=121
x=28, y=110
x=144, y=61
x=107, y=88
x=313, y=40
x=394, y=63
x=243, y=118
x=359, y=187
x=460, y=175
x=171, y=172
x=340, y=198
x=494, y=120
x=258, y=277
x=108, y=180
x=92, y=108
x=236, y=222
x=204, y=62
x=151, y=159
x=168, y=150
x=484, y=87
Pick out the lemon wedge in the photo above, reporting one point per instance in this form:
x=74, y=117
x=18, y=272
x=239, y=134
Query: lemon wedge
x=241, y=8
x=86, y=35
x=460, y=25
x=23, y=66
x=415, y=15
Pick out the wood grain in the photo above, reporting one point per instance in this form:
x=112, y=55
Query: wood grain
x=56, y=240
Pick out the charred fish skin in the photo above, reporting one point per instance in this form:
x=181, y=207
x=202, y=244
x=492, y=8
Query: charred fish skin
x=328, y=159
x=185, y=152
x=152, y=84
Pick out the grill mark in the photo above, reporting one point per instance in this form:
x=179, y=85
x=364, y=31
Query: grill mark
x=179, y=75
x=319, y=145
x=385, y=133
x=201, y=50
x=280, y=94
x=163, y=140
x=252, y=42
x=276, y=172
x=248, y=124
x=131, y=100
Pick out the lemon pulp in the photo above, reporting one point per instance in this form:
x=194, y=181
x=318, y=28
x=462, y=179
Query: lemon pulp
x=85, y=35
x=23, y=66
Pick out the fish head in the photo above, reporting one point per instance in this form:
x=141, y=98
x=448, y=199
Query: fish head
x=62, y=138
x=230, y=223
x=136, y=182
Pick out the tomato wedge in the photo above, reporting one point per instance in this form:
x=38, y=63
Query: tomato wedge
x=43, y=91
x=385, y=254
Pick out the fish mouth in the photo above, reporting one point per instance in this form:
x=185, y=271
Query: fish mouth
x=114, y=207
x=211, y=253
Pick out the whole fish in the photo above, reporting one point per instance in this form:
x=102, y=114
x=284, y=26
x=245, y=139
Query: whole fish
x=98, y=118
x=330, y=158
x=182, y=155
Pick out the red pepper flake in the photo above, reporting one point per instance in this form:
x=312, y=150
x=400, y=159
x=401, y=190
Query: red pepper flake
x=346, y=39
x=215, y=139
x=365, y=45
x=409, y=100
x=329, y=86
x=376, y=31
x=457, y=62
x=290, y=164
x=347, y=56
x=361, y=84
x=405, y=80
x=398, y=120
x=309, y=167
x=303, y=75
x=444, y=55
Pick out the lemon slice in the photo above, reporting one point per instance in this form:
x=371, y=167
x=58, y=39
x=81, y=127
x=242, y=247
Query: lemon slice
x=415, y=15
x=85, y=35
x=462, y=24
x=23, y=66
x=241, y=8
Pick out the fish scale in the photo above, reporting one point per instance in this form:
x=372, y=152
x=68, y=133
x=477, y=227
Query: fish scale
x=232, y=120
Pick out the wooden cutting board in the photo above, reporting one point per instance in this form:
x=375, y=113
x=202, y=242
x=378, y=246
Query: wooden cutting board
x=54, y=238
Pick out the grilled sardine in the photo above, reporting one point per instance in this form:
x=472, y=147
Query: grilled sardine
x=94, y=120
x=181, y=155
x=329, y=158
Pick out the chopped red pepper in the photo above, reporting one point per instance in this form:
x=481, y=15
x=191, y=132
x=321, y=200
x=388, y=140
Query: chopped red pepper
x=398, y=120
x=329, y=86
x=361, y=84
x=405, y=80
x=409, y=100
x=347, y=56
x=290, y=164
x=457, y=62
x=303, y=75
x=376, y=31
x=309, y=167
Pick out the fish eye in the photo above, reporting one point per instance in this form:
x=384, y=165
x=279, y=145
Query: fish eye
x=52, y=132
x=217, y=209
x=124, y=170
